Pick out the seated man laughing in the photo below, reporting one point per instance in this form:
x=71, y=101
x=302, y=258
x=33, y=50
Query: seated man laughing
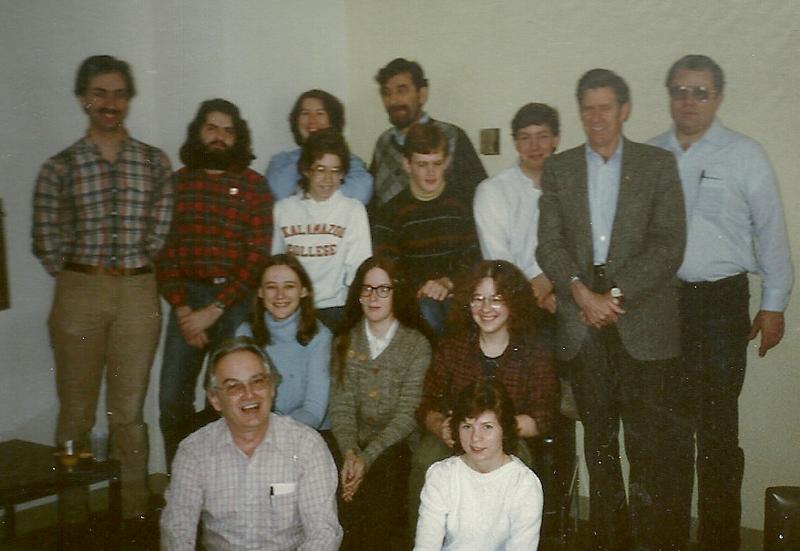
x=257, y=479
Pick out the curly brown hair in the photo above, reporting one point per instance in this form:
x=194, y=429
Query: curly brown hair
x=509, y=282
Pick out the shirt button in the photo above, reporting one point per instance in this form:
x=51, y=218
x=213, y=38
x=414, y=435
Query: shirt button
x=602, y=238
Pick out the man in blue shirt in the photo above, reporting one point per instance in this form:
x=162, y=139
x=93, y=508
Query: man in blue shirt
x=735, y=226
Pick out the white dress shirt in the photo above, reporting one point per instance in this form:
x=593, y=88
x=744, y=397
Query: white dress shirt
x=506, y=209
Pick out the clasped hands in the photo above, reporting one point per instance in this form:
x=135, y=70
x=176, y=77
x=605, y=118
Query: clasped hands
x=193, y=323
x=352, y=474
x=437, y=289
x=597, y=310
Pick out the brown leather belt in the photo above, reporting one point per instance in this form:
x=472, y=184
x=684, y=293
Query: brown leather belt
x=102, y=270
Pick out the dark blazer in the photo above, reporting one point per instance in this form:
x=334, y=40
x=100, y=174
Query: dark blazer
x=647, y=243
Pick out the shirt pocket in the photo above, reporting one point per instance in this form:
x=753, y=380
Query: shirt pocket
x=283, y=506
x=714, y=193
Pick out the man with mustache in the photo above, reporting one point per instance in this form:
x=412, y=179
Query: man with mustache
x=102, y=209
x=210, y=265
x=404, y=90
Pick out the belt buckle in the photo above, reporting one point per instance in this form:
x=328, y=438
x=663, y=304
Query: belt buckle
x=219, y=280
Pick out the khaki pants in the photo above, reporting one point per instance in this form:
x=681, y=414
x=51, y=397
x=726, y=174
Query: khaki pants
x=111, y=322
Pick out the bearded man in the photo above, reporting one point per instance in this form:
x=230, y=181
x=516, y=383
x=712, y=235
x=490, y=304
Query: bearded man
x=208, y=270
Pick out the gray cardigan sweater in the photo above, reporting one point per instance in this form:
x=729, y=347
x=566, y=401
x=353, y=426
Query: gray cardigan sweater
x=373, y=408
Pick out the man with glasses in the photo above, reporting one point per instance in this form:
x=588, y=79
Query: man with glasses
x=210, y=265
x=611, y=237
x=102, y=209
x=735, y=226
x=257, y=480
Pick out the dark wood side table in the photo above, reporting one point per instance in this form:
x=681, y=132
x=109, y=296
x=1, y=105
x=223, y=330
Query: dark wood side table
x=31, y=471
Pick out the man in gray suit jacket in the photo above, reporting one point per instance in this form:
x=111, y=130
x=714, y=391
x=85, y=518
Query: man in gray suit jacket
x=611, y=237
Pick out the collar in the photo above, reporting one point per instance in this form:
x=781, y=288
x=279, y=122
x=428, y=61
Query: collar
x=286, y=327
x=224, y=438
x=521, y=173
x=399, y=137
x=87, y=144
x=593, y=156
x=387, y=337
x=715, y=135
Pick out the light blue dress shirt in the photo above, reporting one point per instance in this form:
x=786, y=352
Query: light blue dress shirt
x=283, y=177
x=603, y=183
x=734, y=215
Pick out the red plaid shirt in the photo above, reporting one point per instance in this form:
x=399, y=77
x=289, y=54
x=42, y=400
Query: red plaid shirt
x=526, y=370
x=222, y=227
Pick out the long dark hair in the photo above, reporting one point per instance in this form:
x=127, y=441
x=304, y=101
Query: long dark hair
x=333, y=107
x=193, y=150
x=404, y=307
x=307, y=325
x=509, y=282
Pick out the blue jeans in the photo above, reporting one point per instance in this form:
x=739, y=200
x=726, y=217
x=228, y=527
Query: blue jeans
x=435, y=313
x=182, y=362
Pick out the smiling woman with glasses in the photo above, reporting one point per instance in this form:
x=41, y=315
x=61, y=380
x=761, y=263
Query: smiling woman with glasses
x=313, y=111
x=380, y=359
x=494, y=340
x=327, y=231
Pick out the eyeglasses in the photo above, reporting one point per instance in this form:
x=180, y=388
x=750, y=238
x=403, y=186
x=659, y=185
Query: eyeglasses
x=234, y=388
x=382, y=291
x=494, y=301
x=322, y=171
x=700, y=93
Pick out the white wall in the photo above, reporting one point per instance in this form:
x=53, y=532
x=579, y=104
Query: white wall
x=258, y=54
x=486, y=58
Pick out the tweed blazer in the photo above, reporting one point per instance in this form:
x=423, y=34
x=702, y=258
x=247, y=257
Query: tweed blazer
x=373, y=408
x=648, y=238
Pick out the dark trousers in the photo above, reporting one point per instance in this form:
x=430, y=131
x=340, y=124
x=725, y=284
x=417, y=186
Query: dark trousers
x=182, y=363
x=376, y=517
x=715, y=324
x=610, y=386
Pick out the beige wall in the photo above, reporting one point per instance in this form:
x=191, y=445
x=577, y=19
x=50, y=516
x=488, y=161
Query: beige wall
x=258, y=54
x=484, y=59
